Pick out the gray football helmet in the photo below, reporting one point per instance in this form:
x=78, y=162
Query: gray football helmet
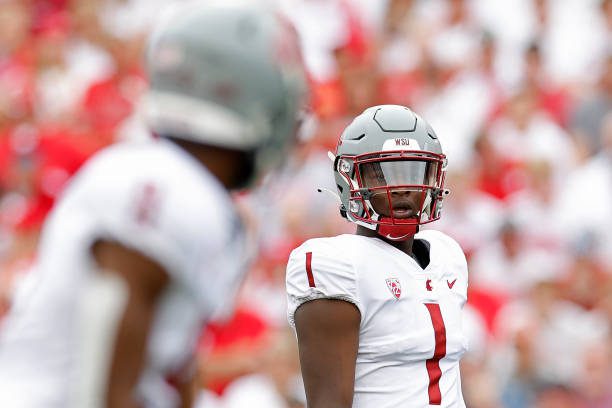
x=391, y=159
x=226, y=74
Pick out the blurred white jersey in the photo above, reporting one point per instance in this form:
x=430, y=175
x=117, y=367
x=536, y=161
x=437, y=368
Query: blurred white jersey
x=158, y=200
x=410, y=337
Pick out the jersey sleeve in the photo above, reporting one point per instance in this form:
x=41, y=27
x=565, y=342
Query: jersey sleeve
x=314, y=271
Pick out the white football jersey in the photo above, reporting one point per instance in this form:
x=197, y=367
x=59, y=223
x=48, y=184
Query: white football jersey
x=410, y=336
x=158, y=200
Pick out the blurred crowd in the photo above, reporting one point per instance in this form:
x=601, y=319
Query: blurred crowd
x=520, y=94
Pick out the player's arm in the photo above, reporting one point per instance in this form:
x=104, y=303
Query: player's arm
x=188, y=389
x=328, y=339
x=145, y=281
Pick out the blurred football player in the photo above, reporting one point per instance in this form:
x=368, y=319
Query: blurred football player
x=378, y=313
x=146, y=244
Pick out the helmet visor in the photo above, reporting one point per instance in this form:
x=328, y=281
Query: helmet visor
x=399, y=173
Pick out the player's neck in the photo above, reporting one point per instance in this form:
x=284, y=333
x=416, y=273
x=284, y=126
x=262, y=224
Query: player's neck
x=404, y=246
x=225, y=164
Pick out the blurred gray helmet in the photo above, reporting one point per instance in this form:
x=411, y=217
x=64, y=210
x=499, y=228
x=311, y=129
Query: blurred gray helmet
x=226, y=74
x=386, y=152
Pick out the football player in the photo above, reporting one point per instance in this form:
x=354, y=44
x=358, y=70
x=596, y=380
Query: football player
x=378, y=313
x=146, y=244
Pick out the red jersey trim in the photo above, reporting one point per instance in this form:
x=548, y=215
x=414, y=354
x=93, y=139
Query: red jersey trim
x=311, y=281
x=433, y=364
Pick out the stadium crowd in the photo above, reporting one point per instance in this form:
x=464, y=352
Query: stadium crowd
x=520, y=93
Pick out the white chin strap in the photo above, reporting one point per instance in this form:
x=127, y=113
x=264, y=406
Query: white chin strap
x=101, y=306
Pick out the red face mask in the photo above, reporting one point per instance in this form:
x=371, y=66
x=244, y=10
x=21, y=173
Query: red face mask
x=397, y=191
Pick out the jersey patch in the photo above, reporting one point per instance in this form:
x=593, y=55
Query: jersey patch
x=394, y=286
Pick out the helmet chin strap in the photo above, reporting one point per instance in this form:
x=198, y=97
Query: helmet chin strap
x=390, y=230
x=398, y=232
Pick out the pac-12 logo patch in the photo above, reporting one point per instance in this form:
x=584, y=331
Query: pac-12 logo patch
x=394, y=286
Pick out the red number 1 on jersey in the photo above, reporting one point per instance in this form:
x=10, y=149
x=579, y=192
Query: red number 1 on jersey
x=433, y=364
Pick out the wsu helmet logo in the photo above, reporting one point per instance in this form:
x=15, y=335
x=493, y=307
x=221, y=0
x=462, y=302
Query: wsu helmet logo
x=394, y=286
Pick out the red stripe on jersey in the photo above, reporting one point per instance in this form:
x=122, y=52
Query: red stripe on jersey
x=433, y=364
x=311, y=281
